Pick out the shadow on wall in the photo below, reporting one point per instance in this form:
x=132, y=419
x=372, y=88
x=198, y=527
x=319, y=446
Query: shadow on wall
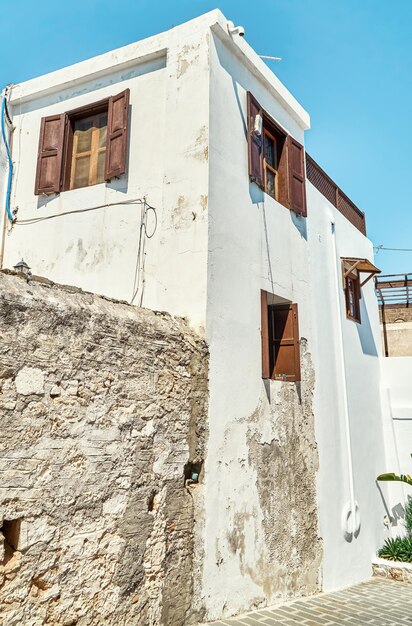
x=365, y=332
x=397, y=513
x=300, y=224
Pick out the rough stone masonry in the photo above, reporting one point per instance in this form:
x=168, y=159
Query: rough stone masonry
x=103, y=420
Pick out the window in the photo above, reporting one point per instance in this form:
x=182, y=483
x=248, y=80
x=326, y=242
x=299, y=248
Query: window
x=83, y=147
x=352, y=268
x=276, y=160
x=280, y=339
x=353, y=296
x=89, y=150
x=270, y=163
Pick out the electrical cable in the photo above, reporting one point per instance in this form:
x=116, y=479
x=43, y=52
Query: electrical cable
x=5, y=112
x=139, y=279
x=378, y=248
x=35, y=220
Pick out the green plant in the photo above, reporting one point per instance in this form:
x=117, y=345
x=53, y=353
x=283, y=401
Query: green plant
x=408, y=516
x=404, y=478
x=397, y=549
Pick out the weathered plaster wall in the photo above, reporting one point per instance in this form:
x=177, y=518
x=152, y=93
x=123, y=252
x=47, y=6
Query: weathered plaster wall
x=352, y=444
x=106, y=250
x=102, y=406
x=261, y=530
x=398, y=330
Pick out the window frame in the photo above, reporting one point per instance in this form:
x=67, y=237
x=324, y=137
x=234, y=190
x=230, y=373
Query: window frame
x=357, y=293
x=291, y=167
x=269, y=343
x=55, y=149
x=102, y=106
x=266, y=166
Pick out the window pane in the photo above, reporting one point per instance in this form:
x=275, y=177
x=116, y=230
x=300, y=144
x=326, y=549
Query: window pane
x=100, y=166
x=89, y=150
x=270, y=151
x=83, y=133
x=270, y=183
x=81, y=172
x=102, y=136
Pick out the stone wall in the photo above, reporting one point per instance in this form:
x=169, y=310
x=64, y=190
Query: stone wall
x=396, y=327
x=102, y=411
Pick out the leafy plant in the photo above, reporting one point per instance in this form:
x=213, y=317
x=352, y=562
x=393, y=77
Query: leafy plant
x=397, y=549
x=408, y=516
x=404, y=478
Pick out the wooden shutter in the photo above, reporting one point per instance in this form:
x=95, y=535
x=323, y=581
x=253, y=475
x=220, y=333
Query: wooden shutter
x=283, y=174
x=296, y=166
x=117, y=130
x=50, y=155
x=284, y=342
x=254, y=142
x=265, y=334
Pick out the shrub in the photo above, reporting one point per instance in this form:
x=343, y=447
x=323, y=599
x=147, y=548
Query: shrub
x=408, y=516
x=397, y=549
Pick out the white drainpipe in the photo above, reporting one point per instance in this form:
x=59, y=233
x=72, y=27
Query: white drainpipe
x=350, y=513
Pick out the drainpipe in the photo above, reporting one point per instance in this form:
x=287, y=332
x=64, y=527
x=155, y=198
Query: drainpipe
x=350, y=513
x=6, y=132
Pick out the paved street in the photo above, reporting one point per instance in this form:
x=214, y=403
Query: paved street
x=376, y=602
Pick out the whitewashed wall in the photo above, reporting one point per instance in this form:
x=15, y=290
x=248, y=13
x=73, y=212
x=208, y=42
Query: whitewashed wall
x=351, y=451
x=167, y=163
x=254, y=243
x=396, y=390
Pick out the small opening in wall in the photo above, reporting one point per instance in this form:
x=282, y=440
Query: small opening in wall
x=11, y=534
x=192, y=471
x=151, y=501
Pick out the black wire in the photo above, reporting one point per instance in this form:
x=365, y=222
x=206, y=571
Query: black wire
x=150, y=208
x=35, y=220
x=377, y=248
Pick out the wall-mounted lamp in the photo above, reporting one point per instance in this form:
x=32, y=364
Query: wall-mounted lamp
x=22, y=268
x=258, y=125
x=235, y=30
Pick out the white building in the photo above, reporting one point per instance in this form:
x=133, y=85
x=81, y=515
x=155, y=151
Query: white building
x=140, y=175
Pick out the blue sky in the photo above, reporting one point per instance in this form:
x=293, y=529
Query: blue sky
x=349, y=63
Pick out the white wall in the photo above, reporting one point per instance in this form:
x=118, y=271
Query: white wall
x=396, y=389
x=254, y=243
x=353, y=445
x=167, y=163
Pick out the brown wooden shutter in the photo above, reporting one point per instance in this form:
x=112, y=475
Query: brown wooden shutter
x=117, y=130
x=296, y=163
x=50, y=155
x=265, y=334
x=284, y=342
x=254, y=142
x=283, y=174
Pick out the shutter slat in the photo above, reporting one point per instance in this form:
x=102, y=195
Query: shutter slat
x=117, y=131
x=297, y=188
x=254, y=142
x=50, y=155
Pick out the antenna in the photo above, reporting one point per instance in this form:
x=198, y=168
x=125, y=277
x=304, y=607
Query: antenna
x=264, y=56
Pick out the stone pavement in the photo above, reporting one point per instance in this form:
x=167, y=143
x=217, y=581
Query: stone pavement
x=376, y=602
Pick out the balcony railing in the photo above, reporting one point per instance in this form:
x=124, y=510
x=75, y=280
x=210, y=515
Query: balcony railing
x=323, y=183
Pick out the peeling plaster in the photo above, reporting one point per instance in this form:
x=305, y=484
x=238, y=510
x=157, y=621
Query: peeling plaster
x=286, y=468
